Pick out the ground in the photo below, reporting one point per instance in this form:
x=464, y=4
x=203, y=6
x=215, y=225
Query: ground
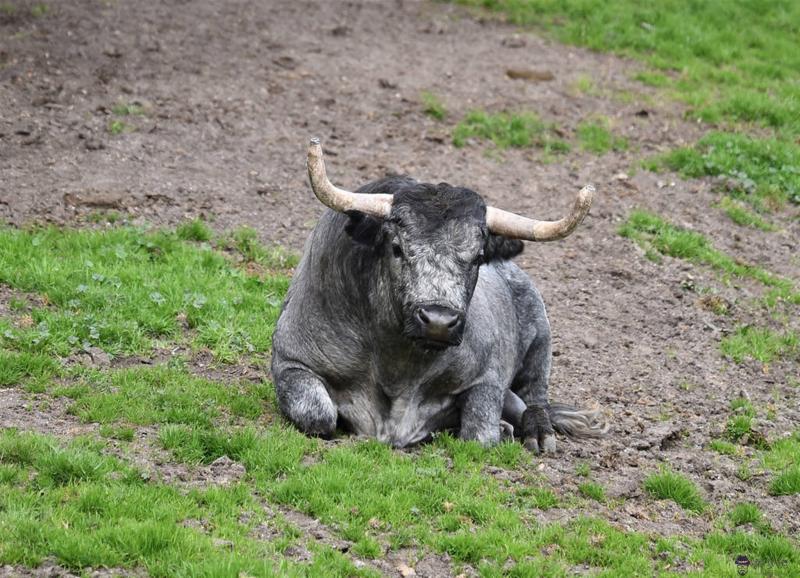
x=158, y=113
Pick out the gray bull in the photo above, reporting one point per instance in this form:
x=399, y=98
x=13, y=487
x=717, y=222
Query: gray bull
x=406, y=317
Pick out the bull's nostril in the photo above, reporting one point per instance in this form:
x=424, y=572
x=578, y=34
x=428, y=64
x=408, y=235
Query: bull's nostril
x=423, y=317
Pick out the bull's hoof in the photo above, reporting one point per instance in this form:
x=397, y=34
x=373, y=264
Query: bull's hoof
x=537, y=431
x=506, y=431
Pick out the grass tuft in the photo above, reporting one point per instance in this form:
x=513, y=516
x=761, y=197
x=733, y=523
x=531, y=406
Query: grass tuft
x=596, y=137
x=760, y=343
x=506, y=130
x=194, y=230
x=433, y=106
x=763, y=172
x=669, y=485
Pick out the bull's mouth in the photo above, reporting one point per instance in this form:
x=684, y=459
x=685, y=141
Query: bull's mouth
x=430, y=344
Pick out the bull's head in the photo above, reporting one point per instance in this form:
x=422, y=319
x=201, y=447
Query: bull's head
x=433, y=240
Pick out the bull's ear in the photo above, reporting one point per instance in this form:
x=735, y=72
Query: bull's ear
x=500, y=248
x=363, y=229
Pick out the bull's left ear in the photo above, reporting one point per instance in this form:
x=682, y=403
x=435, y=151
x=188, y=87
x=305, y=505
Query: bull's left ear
x=500, y=248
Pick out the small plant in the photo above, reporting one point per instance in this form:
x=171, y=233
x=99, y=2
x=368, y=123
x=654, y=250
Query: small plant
x=669, y=485
x=194, y=230
x=593, y=490
x=596, y=137
x=433, y=106
x=764, y=172
x=723, y=447
x=786, y=483
x=745, y=513
x=759, y=343
x=116, y=127
x=122, y=433
x=582, y=469
x=505, y=130
x=123, y=109
x=741, y=215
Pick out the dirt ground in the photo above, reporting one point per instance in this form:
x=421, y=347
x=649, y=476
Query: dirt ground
x=230, y=92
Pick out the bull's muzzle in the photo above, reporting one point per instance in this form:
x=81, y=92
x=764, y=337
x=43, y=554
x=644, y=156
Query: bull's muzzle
x=439, y=325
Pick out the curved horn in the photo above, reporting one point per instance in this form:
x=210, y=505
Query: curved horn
x=518, y=227
x=339, y=199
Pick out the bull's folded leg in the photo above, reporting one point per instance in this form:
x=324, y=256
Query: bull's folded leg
x=303, y=399
x=481, y=409
x=530, y=384
x=537, y=431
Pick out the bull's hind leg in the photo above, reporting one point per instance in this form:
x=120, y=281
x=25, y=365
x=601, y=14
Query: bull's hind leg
x=530, y=384
x=303, y=399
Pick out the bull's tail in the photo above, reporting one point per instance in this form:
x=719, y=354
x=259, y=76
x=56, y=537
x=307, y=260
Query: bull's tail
x=576, y=422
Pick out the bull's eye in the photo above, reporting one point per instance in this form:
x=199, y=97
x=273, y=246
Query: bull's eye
x=397, y=250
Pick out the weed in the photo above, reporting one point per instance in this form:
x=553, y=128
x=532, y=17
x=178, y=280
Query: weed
x=593, y=490
x=123, y=109
x=582, y=470
x=669, y=485
x=723, y=447
x=116, y=127
x=518, y=130
x=764, y=172
x=759, y=343
x=745, y=513
x=433, y=106
x=194, y=230
x=596, y=137
x=584, y=84
x=786, y=483
x=740, y=215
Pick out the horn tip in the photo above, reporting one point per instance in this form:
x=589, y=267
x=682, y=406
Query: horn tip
x=314, y=140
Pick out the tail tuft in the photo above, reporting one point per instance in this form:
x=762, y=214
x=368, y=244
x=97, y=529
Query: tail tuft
x=577, y=423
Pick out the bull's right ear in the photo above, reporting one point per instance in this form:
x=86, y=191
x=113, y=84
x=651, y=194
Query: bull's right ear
x=363, y=229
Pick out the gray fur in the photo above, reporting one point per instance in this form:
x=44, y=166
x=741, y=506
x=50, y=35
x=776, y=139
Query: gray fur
x=343, y=353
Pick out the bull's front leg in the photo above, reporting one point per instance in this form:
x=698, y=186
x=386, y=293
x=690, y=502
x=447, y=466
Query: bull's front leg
x=304, y=400
x=481, y=410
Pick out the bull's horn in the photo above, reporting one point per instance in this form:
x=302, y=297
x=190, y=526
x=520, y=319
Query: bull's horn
x=518, y=227
x=339, y=199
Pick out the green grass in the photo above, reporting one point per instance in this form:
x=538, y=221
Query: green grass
x=659, y=237
x=593, y=490
x=698, y=51
x=86, y=509
x=723, y=447
x=78, y=504
x=765, y=172
x=127, y=109
x=194, y=230
x=433, y=106
x=126, y=290
x=507, y=130
x=596, y=137
x=783, y=458
x=117, y=126
x=669, y=485
x=760, y=343
x=746, y=513
x=741, y=215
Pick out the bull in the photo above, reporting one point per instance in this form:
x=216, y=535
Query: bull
x=406, y=317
